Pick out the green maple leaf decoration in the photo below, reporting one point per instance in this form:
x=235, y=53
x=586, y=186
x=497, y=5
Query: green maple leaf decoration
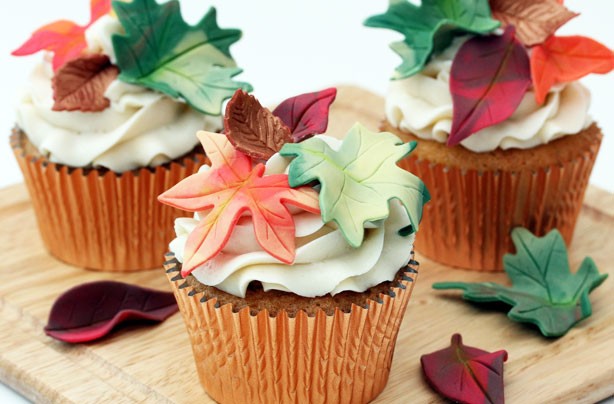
x=430, y=27
x=161, y=51
x=358, y=180
x=544, y=291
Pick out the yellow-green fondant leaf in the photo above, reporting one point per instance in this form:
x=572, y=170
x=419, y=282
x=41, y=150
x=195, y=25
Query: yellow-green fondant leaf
x=358, y=180
x=161, y=51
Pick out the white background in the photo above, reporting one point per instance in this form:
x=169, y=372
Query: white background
x=289, y=47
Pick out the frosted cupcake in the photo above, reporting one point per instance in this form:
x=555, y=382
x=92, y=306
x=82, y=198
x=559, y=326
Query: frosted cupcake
x=294, y=275
x=106, y=123
x=506, y=139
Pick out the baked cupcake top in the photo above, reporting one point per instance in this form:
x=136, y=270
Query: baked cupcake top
x=489, y=74
x=306, y=214
x=130, y=88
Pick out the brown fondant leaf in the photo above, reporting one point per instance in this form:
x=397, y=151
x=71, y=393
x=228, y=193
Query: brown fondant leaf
x=253, y=129
x=535, y=20
x=80, y=84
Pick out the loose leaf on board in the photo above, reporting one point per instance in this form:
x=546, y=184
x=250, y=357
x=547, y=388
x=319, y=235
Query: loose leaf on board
x=230, y=188
x=306, y=114
x=170, y=56
x=253, y=129
x=64, y=38
x=81, y=83
x=535, y=20
x=430, y=27
x=359, y=179
x=465, y=374
x=90, y=311
x=544, y=291
x=567, y=58
x=488, y=80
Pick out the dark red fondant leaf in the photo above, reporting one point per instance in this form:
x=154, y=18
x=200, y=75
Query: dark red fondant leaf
x=81, y=83
x=465, y=374
x=90, y=311
x=488, y=79
x=253, y=129
x=306, y=114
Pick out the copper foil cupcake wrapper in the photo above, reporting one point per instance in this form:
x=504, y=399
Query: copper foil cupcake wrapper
x=99, y=219
x=255, y=358
x=468, y=222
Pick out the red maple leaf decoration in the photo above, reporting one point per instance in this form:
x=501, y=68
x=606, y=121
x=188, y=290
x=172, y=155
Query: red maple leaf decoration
x=64, y=38
x=567, y=58
x=227, y=191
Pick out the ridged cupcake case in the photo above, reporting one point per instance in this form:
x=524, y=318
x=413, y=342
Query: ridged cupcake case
x=469, y=221
x=101, y=220
x=255, y=358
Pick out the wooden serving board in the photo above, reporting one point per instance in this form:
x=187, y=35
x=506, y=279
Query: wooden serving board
x=154, y=364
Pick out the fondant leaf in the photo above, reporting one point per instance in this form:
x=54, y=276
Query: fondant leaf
x=544, y=291
x=359, y=179
x=567, y=58
x=465, y=374
x=253, y=129
x=430, y=27
x=90, y=311
x=162, y=52
x=488, y=80
x=64, y=38
x=81, y=83
x=535, y=20
x=227, y=191
x=306, y=114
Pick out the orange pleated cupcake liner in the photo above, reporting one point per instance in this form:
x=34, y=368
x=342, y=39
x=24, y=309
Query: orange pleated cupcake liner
x=255, y=358
x=101, y=220
x=467, y=223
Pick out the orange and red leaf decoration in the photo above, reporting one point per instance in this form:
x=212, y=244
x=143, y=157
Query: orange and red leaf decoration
x=230, y=189
x=64, y=38
x=465, y=374
x=81, y=83
x=567, y=58
x=488, y=79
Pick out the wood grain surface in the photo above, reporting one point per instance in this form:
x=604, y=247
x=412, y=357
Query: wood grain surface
x=154, y=364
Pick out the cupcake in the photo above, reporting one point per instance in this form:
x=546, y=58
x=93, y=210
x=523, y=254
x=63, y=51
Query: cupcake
x=505, y=136
x=295, y=272
x=107, y=121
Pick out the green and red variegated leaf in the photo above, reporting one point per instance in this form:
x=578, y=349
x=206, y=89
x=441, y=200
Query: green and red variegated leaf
x=465, y=374
x=488, y=80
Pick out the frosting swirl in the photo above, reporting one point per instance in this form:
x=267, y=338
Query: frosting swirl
x=422, y=104
x=140, y=127
x=325, y=262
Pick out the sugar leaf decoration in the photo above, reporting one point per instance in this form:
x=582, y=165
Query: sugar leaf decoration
x=81, y=84
x=227, y=191
x=64, y=38
x=253, y=129
x=535, y=20
x=465, y=374
x=161, y=51
x=306, y=114
x=544, y=291
x=567, y=58
x=430, y=27
x=92, y=310
x=260, y=133
x=358, y=180
x=488, y=80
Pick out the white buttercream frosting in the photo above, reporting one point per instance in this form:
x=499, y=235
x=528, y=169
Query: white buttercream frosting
x=422, y=104
x=140, y=128
x=325, y=262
